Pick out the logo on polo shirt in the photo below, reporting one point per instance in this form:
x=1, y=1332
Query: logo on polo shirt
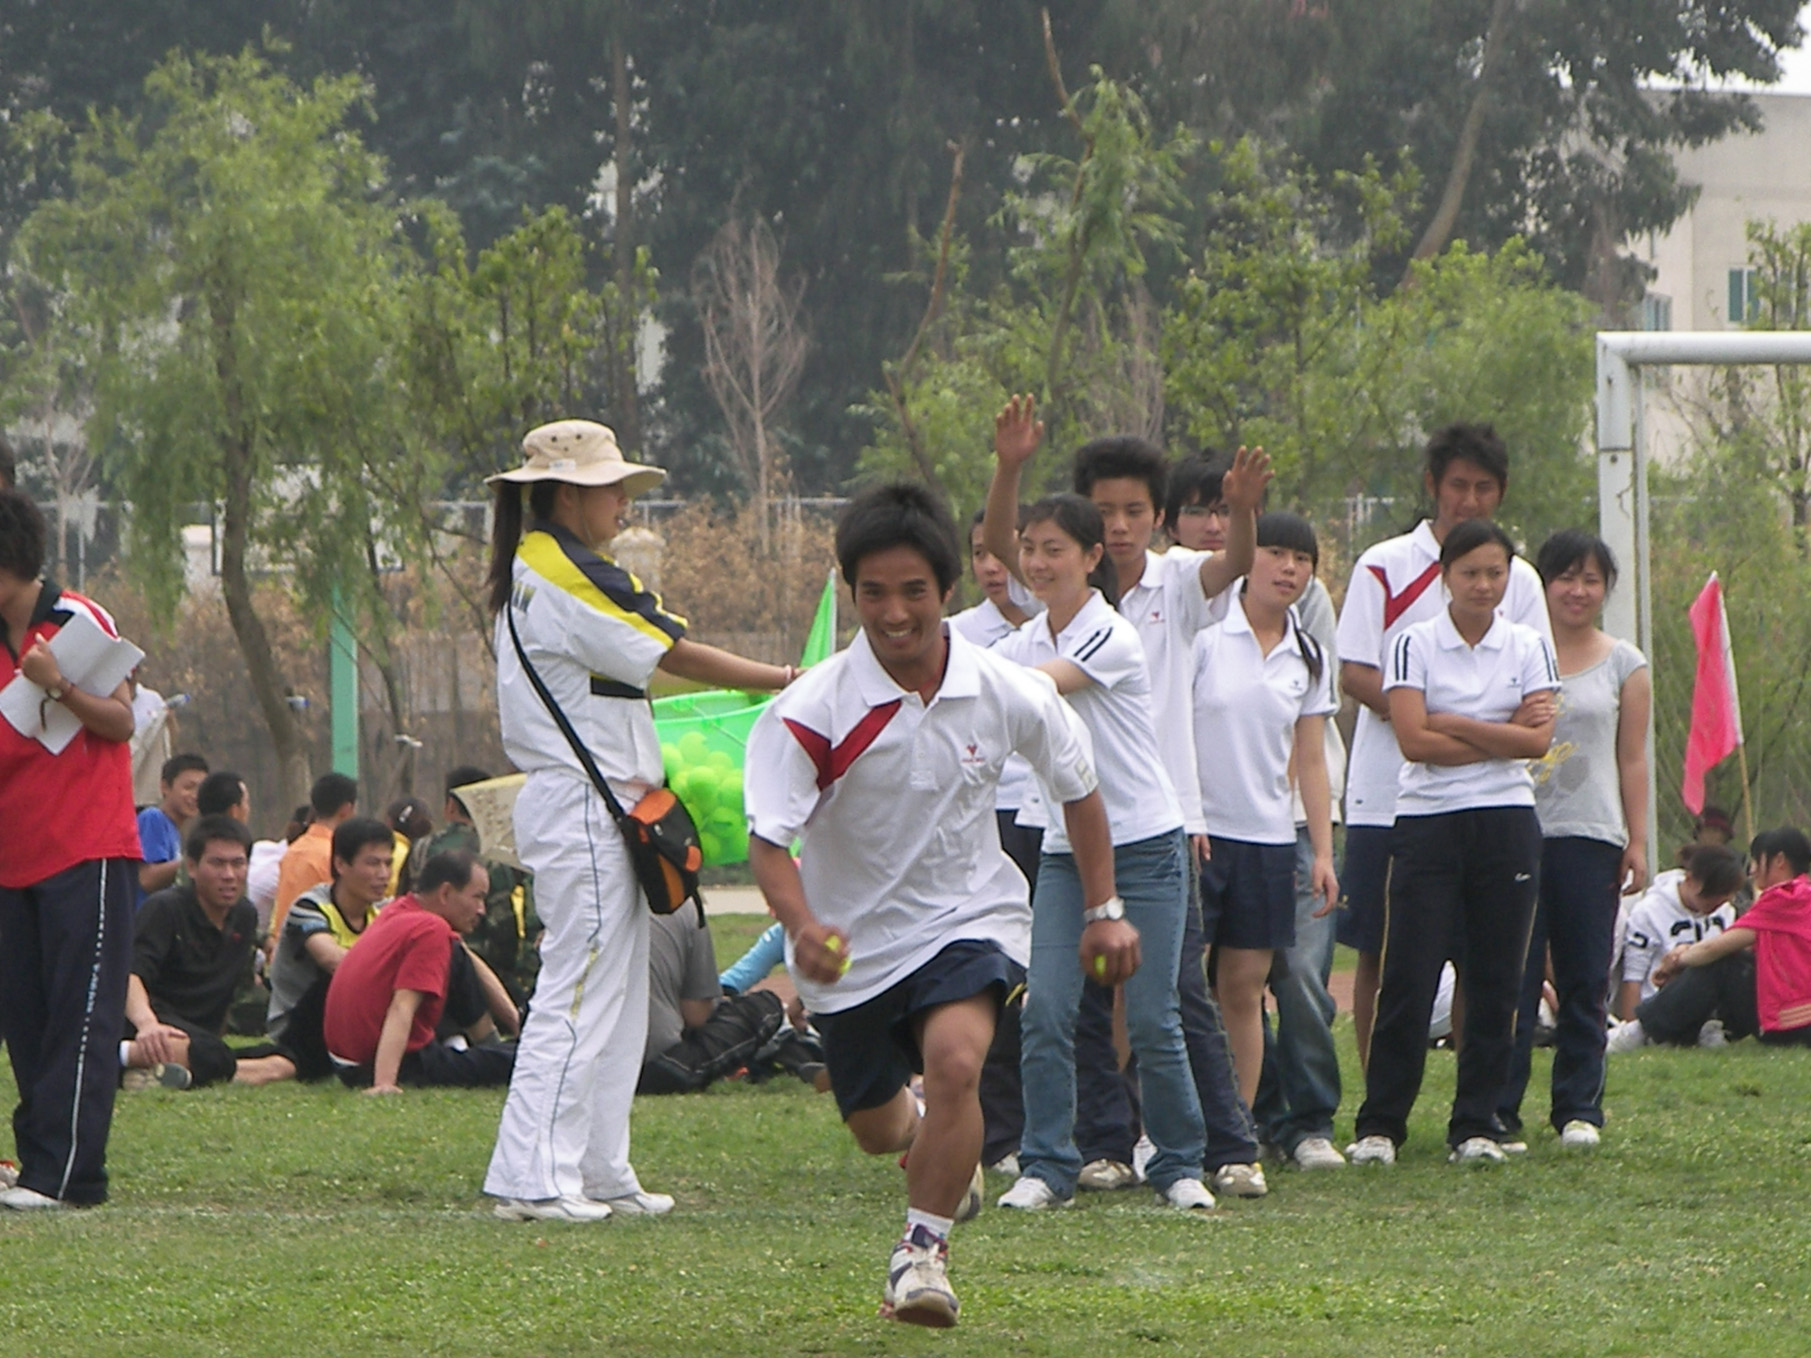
x=972, y=756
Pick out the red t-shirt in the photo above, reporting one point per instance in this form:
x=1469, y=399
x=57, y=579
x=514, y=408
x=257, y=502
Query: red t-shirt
x=57, y=810
x=407, y=947
x=1781, y=920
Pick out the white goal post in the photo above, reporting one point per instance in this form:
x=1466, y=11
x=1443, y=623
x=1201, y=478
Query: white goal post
x=1622, y=467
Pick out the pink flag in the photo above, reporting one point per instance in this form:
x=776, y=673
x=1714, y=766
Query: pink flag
x=1716, y=710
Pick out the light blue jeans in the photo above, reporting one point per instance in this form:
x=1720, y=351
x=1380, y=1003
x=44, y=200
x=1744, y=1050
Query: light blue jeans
x=1152, y=879
x=1299, y=1092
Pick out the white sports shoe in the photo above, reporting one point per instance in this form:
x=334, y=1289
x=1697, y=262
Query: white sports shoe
x=1372, y=1150
x=19, y=1199
x=1142, y=1151
x=1105, y=1176
x=1579, y=1135
x=1240, y=1181
x=918, y=1286
x=1007, y=1164
x=1032, y=1195
x=1712, y=1034
x=638, y=1204
x=1318, y=1152
x=975, y=1198
x=551, y=1209
x=1188, y=1195
x=1477, y=1150
x=1626, y=1037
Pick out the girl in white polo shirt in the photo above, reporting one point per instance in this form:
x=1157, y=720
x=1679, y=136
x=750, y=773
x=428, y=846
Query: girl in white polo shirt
x=1093, y=654
x=1262, y=692
x=1471, y=699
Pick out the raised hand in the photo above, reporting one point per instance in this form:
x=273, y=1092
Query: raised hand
x=1017, y=432
x=1245, y=481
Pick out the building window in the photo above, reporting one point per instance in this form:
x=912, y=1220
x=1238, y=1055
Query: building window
x=1743, y=298
x=1656, y=312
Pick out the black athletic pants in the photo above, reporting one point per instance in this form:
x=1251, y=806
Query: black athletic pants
x=1723, y=990
x=1002, y=1094
x=1462, y=885
x=737, y=1029
x=211, y=1061
x=65, y=953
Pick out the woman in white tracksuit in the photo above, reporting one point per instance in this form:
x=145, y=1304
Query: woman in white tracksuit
x=595, y=637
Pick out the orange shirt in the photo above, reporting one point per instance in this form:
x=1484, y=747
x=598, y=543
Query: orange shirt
x=308, y=862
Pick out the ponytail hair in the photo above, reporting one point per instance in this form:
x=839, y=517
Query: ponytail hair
x=1080, y=520
x=507, y=527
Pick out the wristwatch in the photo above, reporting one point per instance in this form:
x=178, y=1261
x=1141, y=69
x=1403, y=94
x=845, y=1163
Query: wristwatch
x=55, y=693
x=1111, y=908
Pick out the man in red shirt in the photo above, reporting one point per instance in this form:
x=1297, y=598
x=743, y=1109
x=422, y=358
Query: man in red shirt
x=1755, y=975
x=389, y=995
x=68, y=869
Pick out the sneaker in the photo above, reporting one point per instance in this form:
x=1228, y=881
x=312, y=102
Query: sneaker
x=9, y=1174
x=18, y=1199
x=1142, y=1151
x=918, y=1286
x=1007, y=1164
x=1105, y=1176
x=1512, y=1145
x=1372, y=1150
x=1318, y=1152
x=1477, y=1150
x=1712, y=1034
x=973, y=1200
x=1626, y=1037
x=1187, y=1195
x=551, y=1209
x=1241, y=1181
x=1579, y=1135
x=638, y=1204
x=1031, y=1194
x=163, y=1075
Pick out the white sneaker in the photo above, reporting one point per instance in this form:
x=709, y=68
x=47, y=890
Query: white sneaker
x=551, y=1209
x=1579, y=1135
x=1032, y=1195
x=1512, y=1145
x=1318, y=1152
x=1712, y=1034
x=1372, y=1150
x=1241, y=1181
x=1477, y=1150
x=1188, y=1195
x=9, y=1174
x=638, y=1204
x=1626, y=1037
x=1007, y=1164
x=1142, y=1151
x=163, y=1075
x=18, y=1199
x=975, y=1198
x=1105, y=1176
x=918, y=1286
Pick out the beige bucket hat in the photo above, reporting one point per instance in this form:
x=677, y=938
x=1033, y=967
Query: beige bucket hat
x=580, y=453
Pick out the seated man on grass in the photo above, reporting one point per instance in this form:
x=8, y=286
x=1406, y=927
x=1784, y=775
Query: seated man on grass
x=389, y=994
x=322, y=924
x=1755, y=976
x=191, y=944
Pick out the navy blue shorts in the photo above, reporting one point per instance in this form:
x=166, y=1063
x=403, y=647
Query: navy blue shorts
x=1364, y=880
x=872, y=1051
x=1248, y=895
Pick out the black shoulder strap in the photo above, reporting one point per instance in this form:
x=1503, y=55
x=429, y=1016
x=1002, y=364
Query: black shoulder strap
x=559, y=719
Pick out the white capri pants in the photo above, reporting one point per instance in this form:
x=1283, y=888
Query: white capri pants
x=565, y=1127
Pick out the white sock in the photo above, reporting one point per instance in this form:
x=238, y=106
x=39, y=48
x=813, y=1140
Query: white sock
x=936, y=1225
x=125, y=1053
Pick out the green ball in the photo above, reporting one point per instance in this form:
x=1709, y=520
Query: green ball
x=720, y=761
x=711, y=847
x=693, y=747
x=729, y=791
x=669, y=757
x=707, y=791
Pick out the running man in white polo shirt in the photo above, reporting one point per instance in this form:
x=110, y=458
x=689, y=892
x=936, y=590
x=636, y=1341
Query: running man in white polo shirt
x=1394, y=585
x=907, y=925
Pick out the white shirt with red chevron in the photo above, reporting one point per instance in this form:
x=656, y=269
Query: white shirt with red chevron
x=1395, y=585
x=893, y=800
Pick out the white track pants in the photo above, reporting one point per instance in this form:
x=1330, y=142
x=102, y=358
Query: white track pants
x=565, y=1128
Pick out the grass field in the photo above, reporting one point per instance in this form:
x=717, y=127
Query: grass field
x=316, y=1221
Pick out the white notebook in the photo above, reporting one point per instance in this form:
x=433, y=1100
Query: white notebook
x=91, y=660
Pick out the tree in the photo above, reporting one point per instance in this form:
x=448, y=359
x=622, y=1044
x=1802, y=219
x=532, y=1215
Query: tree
x=230, y=269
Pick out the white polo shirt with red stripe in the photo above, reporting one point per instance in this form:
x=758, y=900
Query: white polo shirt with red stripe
x=893, y=799
x=58, y=810
x=1395, y=585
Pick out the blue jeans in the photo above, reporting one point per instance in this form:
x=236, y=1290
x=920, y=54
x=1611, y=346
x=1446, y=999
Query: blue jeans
x=1152, y=880
x=1298, y=1093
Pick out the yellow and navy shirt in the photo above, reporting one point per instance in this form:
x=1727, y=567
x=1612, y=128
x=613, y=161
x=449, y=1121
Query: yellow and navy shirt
x=595, y=636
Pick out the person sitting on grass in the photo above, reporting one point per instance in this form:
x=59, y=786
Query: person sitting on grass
x=191, y=944
x=160, y=827
x=1685, y=905
x=388, y=995
x=322, y=925
x=1755, y=976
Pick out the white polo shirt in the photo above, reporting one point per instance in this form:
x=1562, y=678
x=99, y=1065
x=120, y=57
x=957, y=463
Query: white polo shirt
x=1486, y=682
x=1246, y=707
x=894, y=801
x=1395, y=585
x=1117, y=710
x=1169, y=609
x=594, y=635
x=985, y=624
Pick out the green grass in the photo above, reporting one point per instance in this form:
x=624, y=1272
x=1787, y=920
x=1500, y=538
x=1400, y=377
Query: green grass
x=316, y=1221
